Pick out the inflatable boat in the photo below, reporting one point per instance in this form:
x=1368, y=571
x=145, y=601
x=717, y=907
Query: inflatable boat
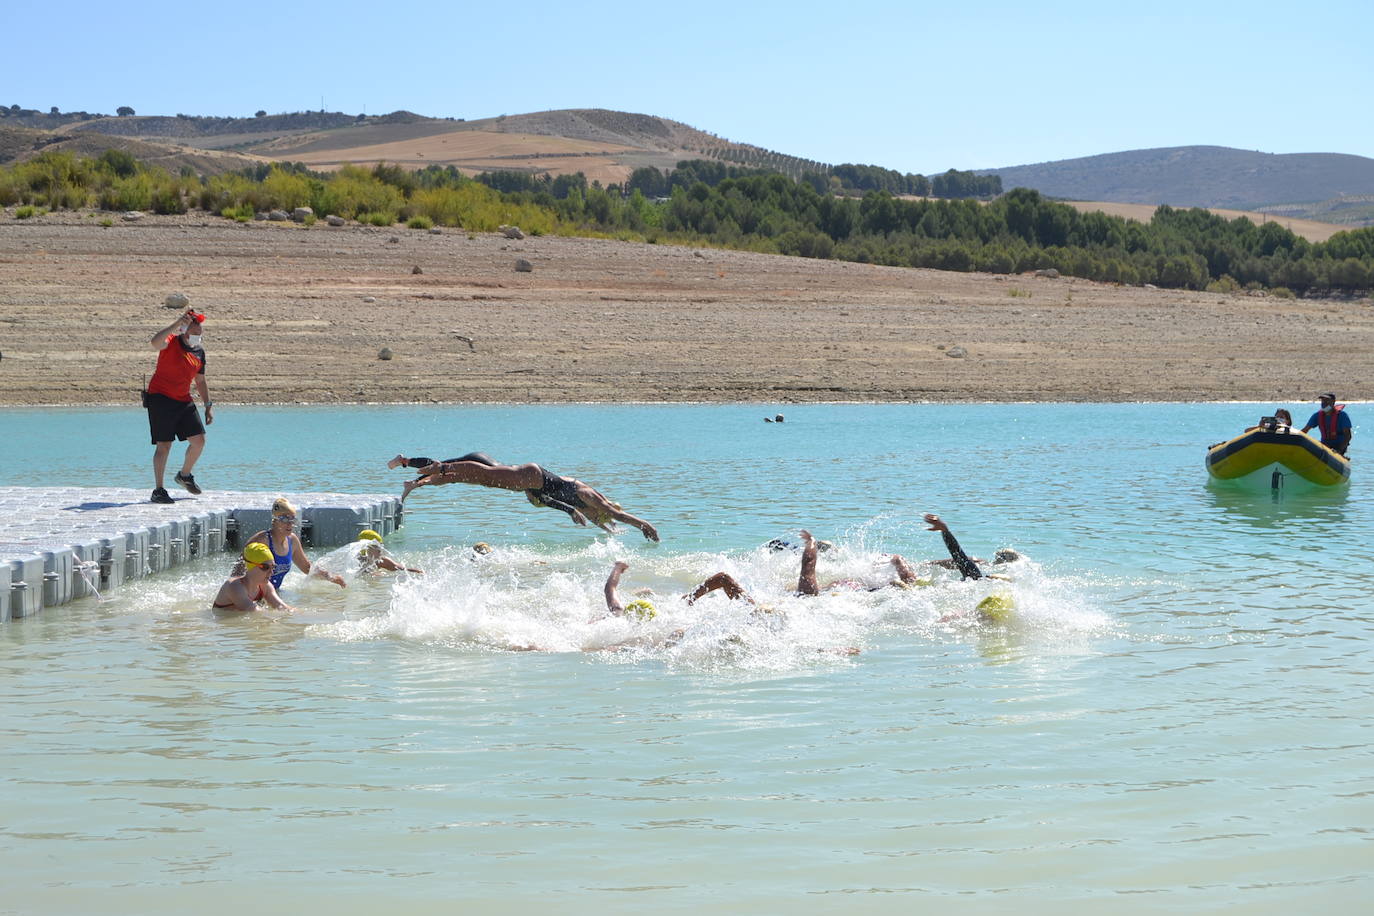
x=1270, y=451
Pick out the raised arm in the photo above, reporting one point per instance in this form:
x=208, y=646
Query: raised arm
x=159, y=340
x=611, y=589
x=967, y=568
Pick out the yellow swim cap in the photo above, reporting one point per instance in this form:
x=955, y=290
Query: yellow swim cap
x=641, y=609
x=256, y=554
x=998, y=608
x=369, y=535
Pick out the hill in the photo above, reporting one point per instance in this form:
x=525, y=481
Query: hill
x=1202, y=176
x=604, y=145
x=20, y=143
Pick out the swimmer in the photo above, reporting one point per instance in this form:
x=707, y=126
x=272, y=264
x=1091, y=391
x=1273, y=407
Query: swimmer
x=807, y=584
x=243, y=592
x=997, y=608
x=372, y=558
x=282, y=532
x=966, y=565
x=541, y=487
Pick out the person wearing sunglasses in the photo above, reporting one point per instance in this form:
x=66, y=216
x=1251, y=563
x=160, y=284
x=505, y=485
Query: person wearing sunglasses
x=242, y=591
x=286, y=548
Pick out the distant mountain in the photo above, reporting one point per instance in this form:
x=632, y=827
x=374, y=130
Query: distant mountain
x=1198, y=176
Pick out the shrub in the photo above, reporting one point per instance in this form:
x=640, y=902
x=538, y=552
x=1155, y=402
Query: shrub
x=378, y=219
x=166, y=198
x=1017, y=293
x=286, y=190
x=1224, y=284
x=354, y=191
x=1282, y=292
x=240, y=214
x=310, y=220
x=23, y=212
x=420, y=222
x=106, y=222
x=132, y=193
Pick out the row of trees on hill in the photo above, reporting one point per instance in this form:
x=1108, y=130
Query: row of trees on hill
x=1019, y=231
x=652, y=182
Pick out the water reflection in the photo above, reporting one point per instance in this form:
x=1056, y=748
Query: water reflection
x=1317, y=509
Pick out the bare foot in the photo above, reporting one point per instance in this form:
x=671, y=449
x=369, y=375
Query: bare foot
x=396, y=462
x=408, y=487
x=620, y=566
x=806, y=536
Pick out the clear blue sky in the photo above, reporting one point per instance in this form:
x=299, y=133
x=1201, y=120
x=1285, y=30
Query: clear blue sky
x=919, y=87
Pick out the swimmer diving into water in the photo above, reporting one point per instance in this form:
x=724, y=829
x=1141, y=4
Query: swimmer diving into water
x=541, y=487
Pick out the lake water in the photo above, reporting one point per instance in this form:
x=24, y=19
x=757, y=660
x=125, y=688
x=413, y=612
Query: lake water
x=1180, y=718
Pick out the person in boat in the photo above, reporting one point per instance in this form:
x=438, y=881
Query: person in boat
x=243, y=592
x=958, y=560
x=1284, y=418
x=1334, y=424
x=373, y=558
x=282, y=534
x=541, y=487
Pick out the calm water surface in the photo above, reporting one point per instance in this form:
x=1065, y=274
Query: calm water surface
x=1180, y=719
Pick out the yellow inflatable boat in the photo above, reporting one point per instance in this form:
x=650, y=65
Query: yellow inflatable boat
x=1268, y=447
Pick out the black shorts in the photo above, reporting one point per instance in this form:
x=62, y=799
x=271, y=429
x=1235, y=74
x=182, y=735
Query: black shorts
x=169, y=418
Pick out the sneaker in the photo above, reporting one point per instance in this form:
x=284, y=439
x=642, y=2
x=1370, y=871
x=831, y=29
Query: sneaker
x=161, y=496
x=189, y=482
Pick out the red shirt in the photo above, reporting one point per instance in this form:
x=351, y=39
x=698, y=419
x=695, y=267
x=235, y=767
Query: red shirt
x=177, y=367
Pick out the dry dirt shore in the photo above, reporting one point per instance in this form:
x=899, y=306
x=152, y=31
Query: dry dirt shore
x=290, y=321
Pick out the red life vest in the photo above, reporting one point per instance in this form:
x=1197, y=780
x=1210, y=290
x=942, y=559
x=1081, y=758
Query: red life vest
x=1329, y=424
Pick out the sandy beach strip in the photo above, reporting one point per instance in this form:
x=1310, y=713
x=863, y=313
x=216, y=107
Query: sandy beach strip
x=300, y=314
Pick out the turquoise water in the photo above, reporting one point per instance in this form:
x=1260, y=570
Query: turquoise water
x=1178, y=720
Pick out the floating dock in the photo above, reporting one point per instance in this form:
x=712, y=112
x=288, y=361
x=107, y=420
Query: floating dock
x=58, y=544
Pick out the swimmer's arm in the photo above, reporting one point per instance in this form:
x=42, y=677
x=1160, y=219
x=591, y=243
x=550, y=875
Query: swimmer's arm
x=269, y=594
x=391, y=565
x=611, y=590
x=967, y=568
x=237, y=594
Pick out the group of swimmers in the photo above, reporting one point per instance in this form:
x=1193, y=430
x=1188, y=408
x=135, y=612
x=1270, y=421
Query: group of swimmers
x=271, y=553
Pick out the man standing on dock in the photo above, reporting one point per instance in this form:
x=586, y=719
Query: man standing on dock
x=171, y=412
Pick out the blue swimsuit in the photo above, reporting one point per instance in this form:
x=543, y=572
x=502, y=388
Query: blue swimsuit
x=283, y=561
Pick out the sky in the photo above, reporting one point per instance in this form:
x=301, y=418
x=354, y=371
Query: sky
x=917, y=87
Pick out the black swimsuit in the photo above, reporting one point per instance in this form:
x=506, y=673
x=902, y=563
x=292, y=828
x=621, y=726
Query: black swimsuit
x=561, y=489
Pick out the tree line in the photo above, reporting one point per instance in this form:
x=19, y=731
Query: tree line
x=728, y=206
